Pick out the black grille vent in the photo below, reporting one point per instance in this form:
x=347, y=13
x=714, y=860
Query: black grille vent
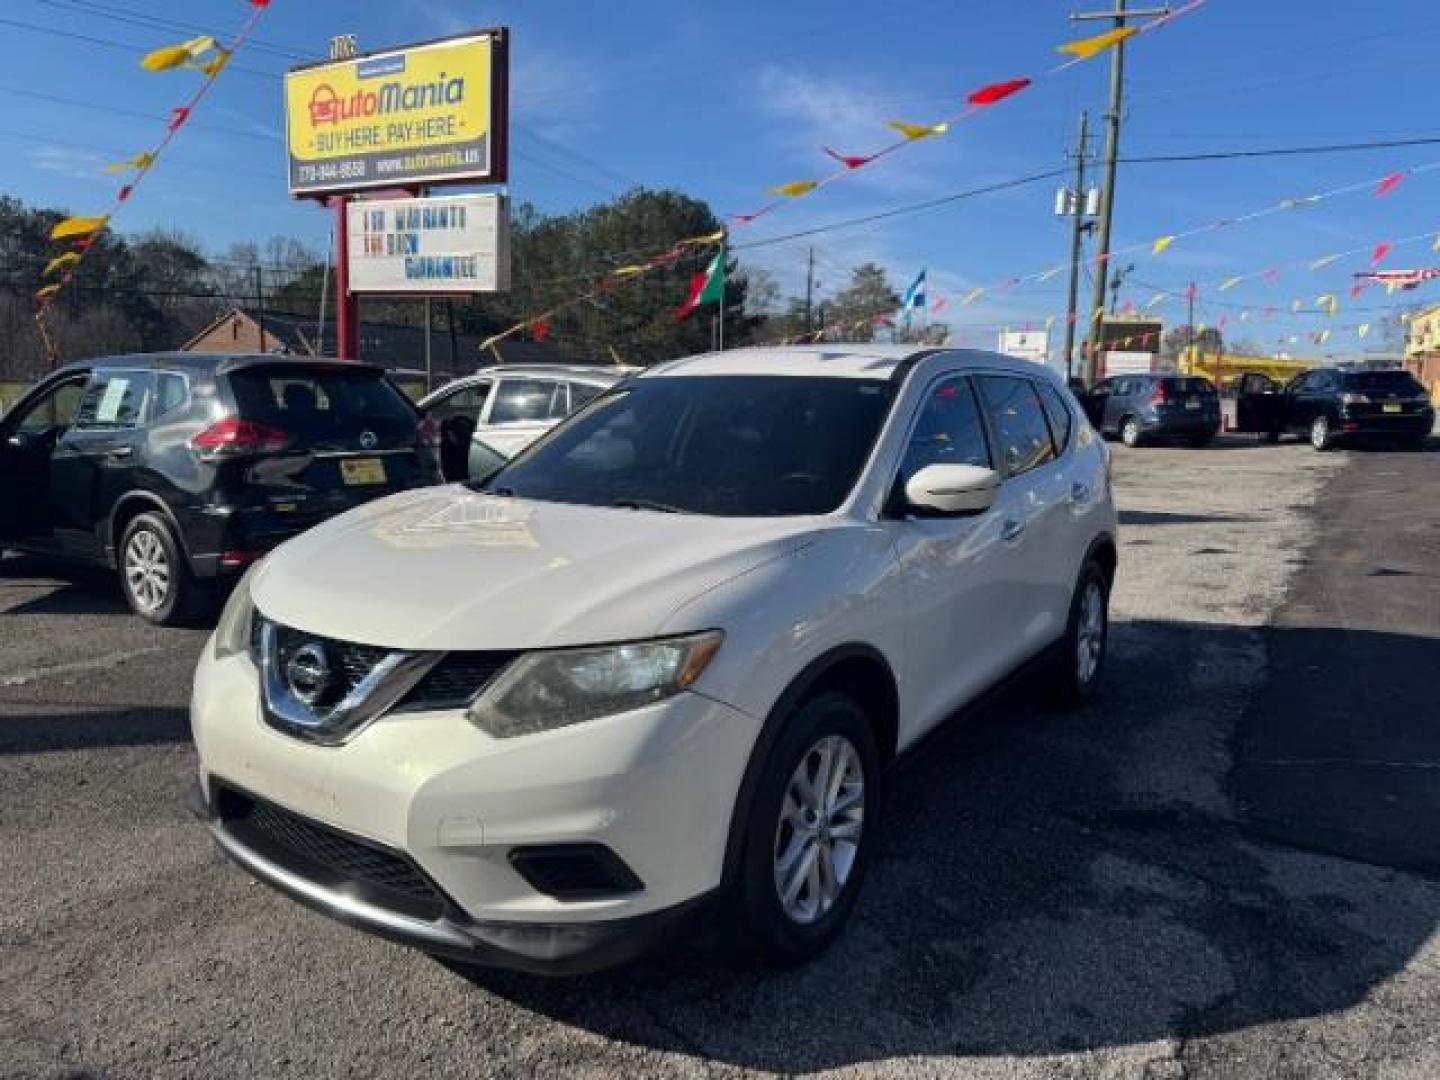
x=328, y=856
x=453, y=682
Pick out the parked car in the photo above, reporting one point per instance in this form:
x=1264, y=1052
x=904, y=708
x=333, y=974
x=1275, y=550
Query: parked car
x=661, y=659
x=481, y=420
x=1146, y=408
x=1332, y=404
x=180, y=469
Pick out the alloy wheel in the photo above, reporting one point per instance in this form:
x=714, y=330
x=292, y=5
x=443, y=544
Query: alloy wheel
x=1320, y=433
x=147, y=570
x=1130, y=433
x=1090, y=633
x=817, y=837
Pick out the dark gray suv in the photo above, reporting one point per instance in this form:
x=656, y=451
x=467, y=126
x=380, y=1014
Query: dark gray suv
x=1144, y=408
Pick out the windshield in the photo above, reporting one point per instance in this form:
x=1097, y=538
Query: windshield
x=727, y=445
x=1397, y=383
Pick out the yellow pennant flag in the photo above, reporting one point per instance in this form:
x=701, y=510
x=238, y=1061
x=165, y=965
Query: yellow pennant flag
x=1161, y=243
x=795, y=188
x=1324, y=337
x=1155, y=301
x=700, y=241
x=627, y=271
x=1230, y=283
x=1297, y=305
x=46, y=292
x=213, y=66
x=918, y=131
x=78, y=226
x=1085, y=48
x=1201, y=328
x=60, y=262
x=1363, y=329
x=1436, y=246
x=174, y=56
x=1327, y=303
x=972, y=296
x=1321, y=263
x=139, y=161
x=1048, y=274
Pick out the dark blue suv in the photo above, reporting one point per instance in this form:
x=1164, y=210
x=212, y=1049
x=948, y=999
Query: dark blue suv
x=1144, y=408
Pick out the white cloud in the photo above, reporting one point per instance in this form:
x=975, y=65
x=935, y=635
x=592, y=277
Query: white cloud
x=65, y=161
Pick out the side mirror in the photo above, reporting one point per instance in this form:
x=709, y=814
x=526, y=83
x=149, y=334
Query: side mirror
x=952, y=489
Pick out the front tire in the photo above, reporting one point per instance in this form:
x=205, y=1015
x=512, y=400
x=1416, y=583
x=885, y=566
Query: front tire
x=1075, y=675
x=1322, y=435
x=810, y=831
x=154, y=575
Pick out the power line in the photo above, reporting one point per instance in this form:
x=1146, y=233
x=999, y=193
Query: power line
x=1279, y=151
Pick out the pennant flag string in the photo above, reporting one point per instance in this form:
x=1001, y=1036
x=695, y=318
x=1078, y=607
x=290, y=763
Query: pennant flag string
x=204, y=55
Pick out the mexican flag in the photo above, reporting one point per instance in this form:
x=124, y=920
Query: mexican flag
x=705, y=287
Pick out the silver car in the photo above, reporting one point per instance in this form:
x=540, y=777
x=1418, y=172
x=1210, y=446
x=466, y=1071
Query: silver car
x=484, y=419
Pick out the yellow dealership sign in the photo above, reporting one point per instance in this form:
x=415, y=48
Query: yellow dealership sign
x=423, y=114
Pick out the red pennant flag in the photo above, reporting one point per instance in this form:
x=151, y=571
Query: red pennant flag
x=940, y=302
x=1381, y=250
x=743, y=219
x=1272, y=274
x=260, y=3
x=540, y=330
x=1355, y=291
x=178, y=116
x=1190, y=293
x=988, y=95
x=850, y=161
x=124, y=193
x=1389, y=183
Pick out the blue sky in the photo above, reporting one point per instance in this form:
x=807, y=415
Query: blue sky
x=722, y=100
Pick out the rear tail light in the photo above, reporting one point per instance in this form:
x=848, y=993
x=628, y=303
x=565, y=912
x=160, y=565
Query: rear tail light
x=430, y=432
x=1158, y=397
x=234, y=437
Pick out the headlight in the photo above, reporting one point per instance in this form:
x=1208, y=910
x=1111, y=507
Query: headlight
x=544, y=690
x=232, y=632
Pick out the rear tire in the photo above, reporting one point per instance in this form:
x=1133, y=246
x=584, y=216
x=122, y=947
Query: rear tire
x=1322, y=435
x=1080, y=660
x=1270, y=438
x=1131, y=433
x=806, y=848
x=155, y=575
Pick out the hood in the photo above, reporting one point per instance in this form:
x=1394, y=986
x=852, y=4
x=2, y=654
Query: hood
x=447, y=568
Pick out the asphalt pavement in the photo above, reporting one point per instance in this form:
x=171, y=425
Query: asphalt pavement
x=1224, y=868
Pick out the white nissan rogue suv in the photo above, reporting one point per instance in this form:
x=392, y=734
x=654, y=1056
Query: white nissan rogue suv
x=659, y=659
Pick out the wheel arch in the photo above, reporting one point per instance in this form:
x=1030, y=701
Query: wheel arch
x=1104, y=552
x=128, y=507
x=857, y=669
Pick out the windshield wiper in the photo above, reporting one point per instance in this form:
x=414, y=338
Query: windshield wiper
x=647, y=504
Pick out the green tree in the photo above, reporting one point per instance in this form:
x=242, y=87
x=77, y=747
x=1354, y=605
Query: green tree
x=868, y=294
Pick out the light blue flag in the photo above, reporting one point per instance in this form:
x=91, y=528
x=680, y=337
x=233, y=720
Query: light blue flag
x=914, y=295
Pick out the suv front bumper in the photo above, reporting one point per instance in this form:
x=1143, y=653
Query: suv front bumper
x=656, y=787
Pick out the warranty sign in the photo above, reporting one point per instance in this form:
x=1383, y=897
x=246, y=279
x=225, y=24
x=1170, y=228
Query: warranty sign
x=423, y=114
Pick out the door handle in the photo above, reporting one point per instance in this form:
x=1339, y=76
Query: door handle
x=119, y=453
x=1011, y=530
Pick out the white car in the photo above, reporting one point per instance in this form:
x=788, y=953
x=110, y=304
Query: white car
x=661, y=659
x=480, y=421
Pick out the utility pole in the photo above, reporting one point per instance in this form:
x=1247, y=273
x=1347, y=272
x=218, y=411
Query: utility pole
x=1112, y=150
x=810, y=292
x=1077, y=231
x=260, y=307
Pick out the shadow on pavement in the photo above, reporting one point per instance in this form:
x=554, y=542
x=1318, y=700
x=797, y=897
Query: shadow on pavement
x=1048, y=883
x=87, y=728
x=74, y=590
x=1159, y=517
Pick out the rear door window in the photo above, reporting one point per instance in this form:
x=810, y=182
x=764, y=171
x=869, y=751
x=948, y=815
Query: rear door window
x=1183, y=387
x=583, y=393
x=466, y=402
x=114, y=400
x=1018, y=421
x=324, y=407
x=1058, y=413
